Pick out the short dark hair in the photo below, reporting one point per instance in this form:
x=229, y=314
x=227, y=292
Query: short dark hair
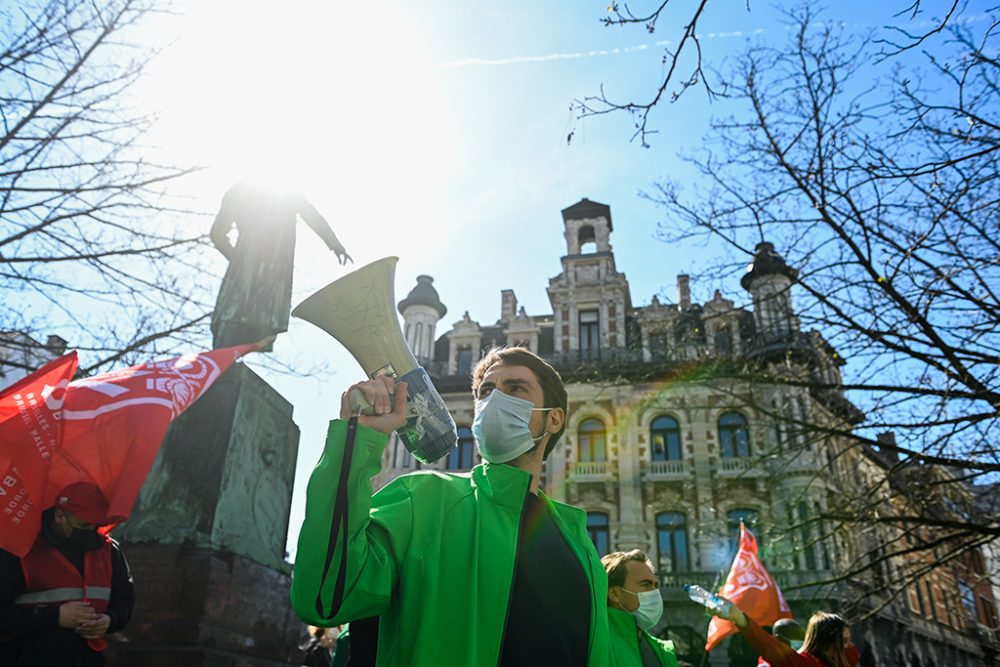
x=788, y=630
x=615, y=565
x=553, y=391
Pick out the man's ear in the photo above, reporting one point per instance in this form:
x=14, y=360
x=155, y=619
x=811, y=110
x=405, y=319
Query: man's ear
x=556, y=418
x=614, y=597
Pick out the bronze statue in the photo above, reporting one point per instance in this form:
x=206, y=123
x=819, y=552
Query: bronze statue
x=256, y=293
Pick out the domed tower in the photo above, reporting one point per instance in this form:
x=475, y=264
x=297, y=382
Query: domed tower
x=421, y=310
x=769, y=280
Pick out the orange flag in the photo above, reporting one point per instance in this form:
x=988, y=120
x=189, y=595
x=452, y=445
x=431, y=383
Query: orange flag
x=751, y=587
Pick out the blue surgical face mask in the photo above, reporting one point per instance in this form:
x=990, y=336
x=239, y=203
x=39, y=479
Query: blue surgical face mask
x=650, y=608
x=501, y=427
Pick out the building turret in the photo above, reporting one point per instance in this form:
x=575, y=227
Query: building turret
x=590, y=298
x=769, y=280
x=421, y=310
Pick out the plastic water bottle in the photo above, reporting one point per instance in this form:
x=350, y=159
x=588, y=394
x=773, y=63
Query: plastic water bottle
x=710, y=601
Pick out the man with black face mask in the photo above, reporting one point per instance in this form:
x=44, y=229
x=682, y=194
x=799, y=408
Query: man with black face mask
x=59, y=601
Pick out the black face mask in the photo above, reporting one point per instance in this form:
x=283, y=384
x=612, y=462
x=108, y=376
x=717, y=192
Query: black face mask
x=86, y=539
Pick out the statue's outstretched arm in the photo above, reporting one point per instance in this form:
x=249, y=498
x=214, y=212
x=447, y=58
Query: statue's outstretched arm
x=319, y=225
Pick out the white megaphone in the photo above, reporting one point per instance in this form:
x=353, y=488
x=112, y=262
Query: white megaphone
x=359, y=311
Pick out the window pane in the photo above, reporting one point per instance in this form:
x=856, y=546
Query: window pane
x=589, y=330
x=592, y=441
x=465, y=361
x=671, y=538
x=807, y=539
x=734, y=436
x=461, y=457
x=597, y=528
x=665, y=436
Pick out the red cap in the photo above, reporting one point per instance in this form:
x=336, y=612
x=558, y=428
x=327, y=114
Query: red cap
x=85, y=501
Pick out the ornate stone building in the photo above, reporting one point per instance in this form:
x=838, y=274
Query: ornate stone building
x=668, y=454
x=20, y=354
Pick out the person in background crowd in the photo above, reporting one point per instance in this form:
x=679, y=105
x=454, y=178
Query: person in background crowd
x=71, y=590
x=787, y=631
x=634, y=607
x=827, y=641
x=318, y=651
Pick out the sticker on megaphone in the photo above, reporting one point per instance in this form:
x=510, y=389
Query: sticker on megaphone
x=429, y=432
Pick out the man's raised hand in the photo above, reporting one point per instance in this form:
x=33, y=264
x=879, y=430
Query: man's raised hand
x=388, y=412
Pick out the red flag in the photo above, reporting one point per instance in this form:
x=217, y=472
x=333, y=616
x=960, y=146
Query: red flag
x=30, y=435
x=112, y=426
x=751, y=587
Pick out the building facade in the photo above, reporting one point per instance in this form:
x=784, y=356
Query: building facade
x=668, y=452
x=20, y=354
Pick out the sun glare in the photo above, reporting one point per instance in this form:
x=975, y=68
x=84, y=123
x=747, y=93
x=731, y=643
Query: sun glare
x=348, y=111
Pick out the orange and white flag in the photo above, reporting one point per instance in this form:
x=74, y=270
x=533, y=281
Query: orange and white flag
x=752, y=588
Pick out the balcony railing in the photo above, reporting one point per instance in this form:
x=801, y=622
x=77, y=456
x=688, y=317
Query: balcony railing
x=591, y=470
x=667, y=469
x=737, y=467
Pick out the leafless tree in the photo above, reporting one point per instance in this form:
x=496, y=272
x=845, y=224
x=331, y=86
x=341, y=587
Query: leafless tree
x=878, y=180
x=685, y=58
x=88, y=232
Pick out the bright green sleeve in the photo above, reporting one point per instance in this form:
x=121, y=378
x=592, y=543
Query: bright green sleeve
x=378, y=531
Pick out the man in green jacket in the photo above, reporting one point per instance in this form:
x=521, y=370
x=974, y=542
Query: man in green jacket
x=473, y=570
x=634, y=607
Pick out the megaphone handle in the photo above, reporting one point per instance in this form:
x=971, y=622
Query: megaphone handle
x=360, y=405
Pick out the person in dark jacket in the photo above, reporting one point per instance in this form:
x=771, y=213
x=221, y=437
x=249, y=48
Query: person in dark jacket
x=317, y=651
x=788, y=632
x=72, y=588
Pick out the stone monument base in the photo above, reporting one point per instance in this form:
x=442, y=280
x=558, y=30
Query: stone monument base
x=200, y=607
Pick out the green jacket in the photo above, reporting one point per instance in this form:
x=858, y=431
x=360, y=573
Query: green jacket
x=625, y=644
x=432, y=554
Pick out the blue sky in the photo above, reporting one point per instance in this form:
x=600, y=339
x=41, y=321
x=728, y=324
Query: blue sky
x=437, y=132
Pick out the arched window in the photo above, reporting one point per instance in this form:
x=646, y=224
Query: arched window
x=734, y=436
x=665, y=437
x=593, y=441
x=750, y=519
x=461, y=457
x=672, y=542
x=597, y=528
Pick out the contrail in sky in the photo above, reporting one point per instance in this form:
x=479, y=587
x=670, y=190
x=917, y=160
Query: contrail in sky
x=574, y=55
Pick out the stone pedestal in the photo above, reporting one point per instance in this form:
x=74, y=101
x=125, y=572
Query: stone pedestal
x=206, y=540
x=197, y=606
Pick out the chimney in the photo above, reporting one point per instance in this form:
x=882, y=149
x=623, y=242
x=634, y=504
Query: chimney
x=684, y=291
x=508, y=305
x=888, y=438
x=56, y=345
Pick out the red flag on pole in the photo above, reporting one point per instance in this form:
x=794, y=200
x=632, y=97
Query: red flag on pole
x=105, y=430
x=752, y=588
x=30, y=435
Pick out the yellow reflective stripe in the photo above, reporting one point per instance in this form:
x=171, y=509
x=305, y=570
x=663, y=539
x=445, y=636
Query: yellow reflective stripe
x=63, y=595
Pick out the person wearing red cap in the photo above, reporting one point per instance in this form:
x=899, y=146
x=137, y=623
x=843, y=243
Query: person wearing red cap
x=74, y=587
